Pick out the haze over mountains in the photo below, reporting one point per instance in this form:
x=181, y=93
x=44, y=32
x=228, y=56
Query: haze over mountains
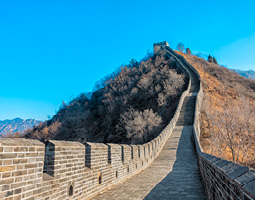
x=247, y=74
x=16, y=125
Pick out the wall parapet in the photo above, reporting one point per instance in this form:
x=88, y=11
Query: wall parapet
x=222, y=179
x=30, y=169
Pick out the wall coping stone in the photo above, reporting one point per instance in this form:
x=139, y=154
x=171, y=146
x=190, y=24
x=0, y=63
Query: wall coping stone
x=19, y=142
x=63, y=143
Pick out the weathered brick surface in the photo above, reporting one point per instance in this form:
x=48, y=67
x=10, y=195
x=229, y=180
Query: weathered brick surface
x=21, y=166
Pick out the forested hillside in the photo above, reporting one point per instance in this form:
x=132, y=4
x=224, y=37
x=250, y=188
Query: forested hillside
x=228, y=112
x=132, y=105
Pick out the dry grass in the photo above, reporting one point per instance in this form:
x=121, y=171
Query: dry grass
x=222, y=87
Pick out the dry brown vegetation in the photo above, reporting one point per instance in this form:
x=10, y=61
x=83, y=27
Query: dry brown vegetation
x=131, y=105
x=228, y=112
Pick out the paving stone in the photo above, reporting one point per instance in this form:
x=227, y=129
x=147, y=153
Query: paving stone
x=172, y=175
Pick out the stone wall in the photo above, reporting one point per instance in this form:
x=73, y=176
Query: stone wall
x=62, y=170
x=223, y=179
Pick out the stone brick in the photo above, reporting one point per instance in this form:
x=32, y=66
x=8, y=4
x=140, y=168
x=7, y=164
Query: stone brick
x=6, y=174
x=6, y=181
x=17, y=191
x=7, y=168
x=7, y=155
x=8, y=149
x=19, y=161
x=19, y=173
x=5, y=187
x=21, y=149
x=9, y=193
x=17, y=197
x=7, y=162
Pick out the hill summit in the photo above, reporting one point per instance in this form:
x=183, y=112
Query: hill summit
x=132, y=105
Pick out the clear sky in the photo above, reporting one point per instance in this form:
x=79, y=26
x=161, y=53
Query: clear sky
x=52, y=50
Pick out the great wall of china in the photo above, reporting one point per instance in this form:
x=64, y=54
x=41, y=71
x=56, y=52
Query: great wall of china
x=30, y=169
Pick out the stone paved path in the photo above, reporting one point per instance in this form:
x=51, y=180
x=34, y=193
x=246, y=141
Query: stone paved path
x=172, y=175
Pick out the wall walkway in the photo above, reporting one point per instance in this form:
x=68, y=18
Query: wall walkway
x=174, y=174
x=223, y=180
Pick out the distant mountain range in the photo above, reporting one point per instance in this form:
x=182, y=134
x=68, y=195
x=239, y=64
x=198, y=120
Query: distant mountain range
x=17, y=124
x=247, y=74
x=202, y=55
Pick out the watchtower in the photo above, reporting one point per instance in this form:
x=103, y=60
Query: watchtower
x=157, y=46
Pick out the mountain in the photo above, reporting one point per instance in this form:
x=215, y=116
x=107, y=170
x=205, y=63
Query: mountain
x=16, y=125
x=248, y=74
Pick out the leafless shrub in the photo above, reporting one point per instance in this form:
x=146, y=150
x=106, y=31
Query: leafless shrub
x=180, y=46
x=140, y=125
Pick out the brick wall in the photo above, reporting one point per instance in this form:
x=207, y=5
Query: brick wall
x=21, y=167
x=68, y=170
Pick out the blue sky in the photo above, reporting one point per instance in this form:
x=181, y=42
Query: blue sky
x=52, y=50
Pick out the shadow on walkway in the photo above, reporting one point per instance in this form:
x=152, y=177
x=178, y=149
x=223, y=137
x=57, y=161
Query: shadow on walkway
x=184, y=181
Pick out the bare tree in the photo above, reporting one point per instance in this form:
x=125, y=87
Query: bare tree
x=180, y=46
x=210, y=59
x=188, y=51
x=140, y=125
x=234, y=127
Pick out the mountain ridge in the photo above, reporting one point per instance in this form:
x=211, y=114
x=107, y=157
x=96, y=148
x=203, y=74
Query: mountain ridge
x=246, y=73
x=10, y=126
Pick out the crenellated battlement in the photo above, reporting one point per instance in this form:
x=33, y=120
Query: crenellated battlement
x=164, y=44
x=159, y=46
x=29, y=168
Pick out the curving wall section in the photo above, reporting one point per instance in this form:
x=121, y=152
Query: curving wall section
x=30, y=169
x=223, y=179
